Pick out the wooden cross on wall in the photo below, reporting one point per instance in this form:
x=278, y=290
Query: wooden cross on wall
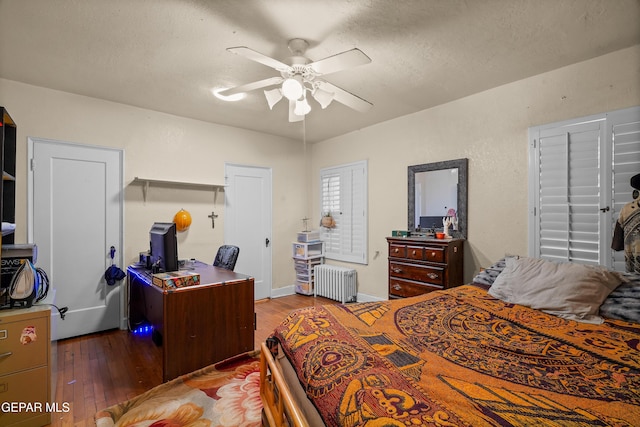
x=213, y=217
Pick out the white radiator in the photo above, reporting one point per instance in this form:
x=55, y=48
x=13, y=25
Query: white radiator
x=333, y=282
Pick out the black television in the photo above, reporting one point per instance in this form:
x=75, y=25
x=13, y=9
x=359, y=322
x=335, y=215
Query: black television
x=163, y=247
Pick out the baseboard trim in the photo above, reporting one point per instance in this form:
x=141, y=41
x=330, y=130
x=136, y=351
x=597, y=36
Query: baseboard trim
x=290, y=290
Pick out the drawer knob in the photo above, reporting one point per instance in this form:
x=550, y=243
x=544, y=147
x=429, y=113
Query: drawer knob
x=396, y=250
x=397, y=287
x=413, y=253
x=433, y=254
x=396, y=270
x=432, y=276
x=7, y=354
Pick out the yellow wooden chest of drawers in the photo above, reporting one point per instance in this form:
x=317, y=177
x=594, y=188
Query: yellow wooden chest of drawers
x=25, y=367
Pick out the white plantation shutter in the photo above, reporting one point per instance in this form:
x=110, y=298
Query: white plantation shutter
x=568, y=204
x=579, y=173
x=331, y=206
x=343, y=194
x=625, y=130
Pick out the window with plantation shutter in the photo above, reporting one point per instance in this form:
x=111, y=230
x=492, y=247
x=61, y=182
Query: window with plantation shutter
x=343, y=195
x=568, y=185
x=579, y=177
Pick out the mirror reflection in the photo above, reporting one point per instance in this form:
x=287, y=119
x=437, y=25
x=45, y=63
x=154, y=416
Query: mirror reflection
x=438, y=197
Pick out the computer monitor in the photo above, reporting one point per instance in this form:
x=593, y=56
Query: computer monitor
x=163, y=247
x=430, y=222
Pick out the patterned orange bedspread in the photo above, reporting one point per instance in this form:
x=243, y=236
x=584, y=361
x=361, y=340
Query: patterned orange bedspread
x=462, y=358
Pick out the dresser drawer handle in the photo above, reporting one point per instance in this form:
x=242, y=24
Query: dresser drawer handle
x=7, y=354
x=3, y=334
x=432, y=276
x=396, y=250
x=397, y=287
x=433, y=254
x=396, y=270
x=413, y=253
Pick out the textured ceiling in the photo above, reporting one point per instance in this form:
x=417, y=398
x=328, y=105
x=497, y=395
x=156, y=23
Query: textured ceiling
x=167, y=55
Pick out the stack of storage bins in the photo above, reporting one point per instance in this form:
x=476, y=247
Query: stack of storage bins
x=308, y=252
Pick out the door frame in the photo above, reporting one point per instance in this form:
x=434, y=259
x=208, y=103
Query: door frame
x=119, y=255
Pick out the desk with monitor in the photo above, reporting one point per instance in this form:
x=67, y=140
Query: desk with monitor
x=196, y=325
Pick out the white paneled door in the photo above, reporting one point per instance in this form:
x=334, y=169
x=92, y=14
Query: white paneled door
x=247, y=222
x=75, y=216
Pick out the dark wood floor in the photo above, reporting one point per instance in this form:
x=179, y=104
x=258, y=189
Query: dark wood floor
x=99, y=370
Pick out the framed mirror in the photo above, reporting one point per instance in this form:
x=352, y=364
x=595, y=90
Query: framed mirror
x=438, y=190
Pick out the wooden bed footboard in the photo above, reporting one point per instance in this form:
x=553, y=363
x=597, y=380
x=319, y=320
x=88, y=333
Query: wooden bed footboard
x=279, y=408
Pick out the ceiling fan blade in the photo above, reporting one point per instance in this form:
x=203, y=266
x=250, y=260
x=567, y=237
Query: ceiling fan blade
x=293, y=117
x=341, y=61
x=251, y=86
x=258, y=57
x=347, y=98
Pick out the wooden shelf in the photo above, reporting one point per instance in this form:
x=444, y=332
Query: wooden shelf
x=8, y=142
x=146, y=183
x=179, y=183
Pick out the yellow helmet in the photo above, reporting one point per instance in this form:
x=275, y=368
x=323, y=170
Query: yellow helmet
x=182, y=220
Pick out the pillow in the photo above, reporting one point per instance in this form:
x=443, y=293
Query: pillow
x=624, y=302
x=568, y=290
x=489, y=274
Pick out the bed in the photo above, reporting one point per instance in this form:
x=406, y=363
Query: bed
x=464, y=356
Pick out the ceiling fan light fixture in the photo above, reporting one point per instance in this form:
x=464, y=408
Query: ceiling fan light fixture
x=302, y=107
x=300, y=75
x=273, y=96
x=323, y=97
x=293, y=88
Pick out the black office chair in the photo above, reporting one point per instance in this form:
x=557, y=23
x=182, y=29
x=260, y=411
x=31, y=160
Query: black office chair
x=226, y=257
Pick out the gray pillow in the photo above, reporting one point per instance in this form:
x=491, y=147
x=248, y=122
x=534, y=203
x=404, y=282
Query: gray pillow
x=489, y=274
x=568, y=290
x=624, y=302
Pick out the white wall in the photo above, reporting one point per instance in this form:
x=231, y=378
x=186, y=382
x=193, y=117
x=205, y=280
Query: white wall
x=490, y=129
x=168, y=147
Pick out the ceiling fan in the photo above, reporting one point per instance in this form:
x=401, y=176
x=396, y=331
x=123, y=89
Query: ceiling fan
x=303, y=76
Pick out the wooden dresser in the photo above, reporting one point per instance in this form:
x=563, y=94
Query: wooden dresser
x=25, y=366
x=418, y=265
